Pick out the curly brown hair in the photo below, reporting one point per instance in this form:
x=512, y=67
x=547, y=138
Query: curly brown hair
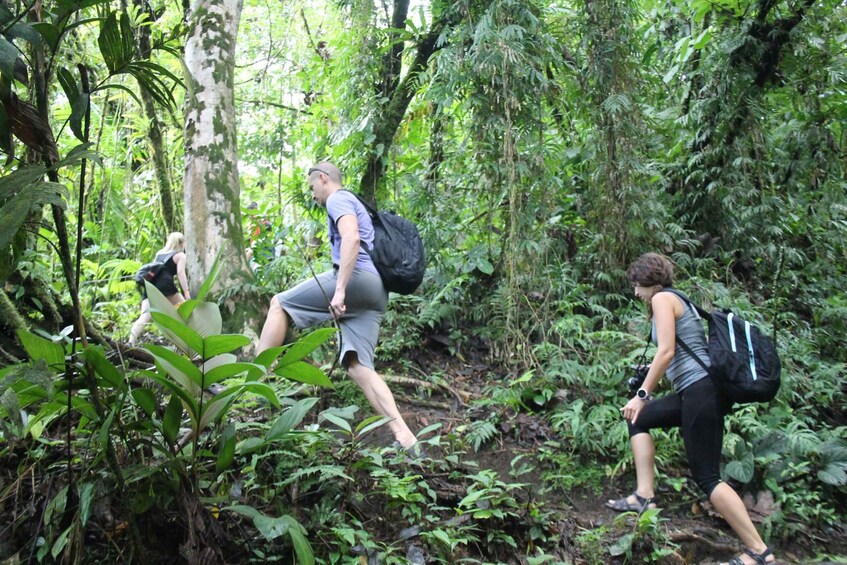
x=651, y=269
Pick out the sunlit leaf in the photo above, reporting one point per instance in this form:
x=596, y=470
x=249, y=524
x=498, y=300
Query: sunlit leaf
x=303, y=372
x=217, y=344
x=206, y=320
x=291, y=418
x=306, y=345
x=177, y=367
x=39, y=348
x=338, y=421
x=178, y=332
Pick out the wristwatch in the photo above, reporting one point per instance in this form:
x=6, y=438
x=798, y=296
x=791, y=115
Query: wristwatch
x=644, y=395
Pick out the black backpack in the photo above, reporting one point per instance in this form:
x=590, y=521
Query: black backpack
x=148, y=271
x=744, y=361
x=398, y=251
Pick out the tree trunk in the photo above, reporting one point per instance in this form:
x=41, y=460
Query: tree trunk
x=154, y=132
x=401, y=94
x=212, y=212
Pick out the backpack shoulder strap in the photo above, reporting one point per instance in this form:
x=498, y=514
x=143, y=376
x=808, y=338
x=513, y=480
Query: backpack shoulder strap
x=701, y=312
x=371, y=210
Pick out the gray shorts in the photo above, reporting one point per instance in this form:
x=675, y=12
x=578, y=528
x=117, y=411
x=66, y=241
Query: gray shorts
x=366, y=300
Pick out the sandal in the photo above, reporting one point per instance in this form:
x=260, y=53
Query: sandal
x=624, y=505
x=759, y=558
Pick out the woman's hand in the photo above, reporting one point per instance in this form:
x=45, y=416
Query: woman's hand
x=632, y=409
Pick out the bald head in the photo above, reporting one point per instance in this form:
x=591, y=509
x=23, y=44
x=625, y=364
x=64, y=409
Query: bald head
x=331, y=171
x=324, y=179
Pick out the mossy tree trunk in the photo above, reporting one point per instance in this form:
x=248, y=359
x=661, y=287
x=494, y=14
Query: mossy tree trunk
x=212, y=212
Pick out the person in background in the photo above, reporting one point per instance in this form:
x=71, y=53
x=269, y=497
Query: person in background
x=351, y=293
x=173, y=256
x=696, y=406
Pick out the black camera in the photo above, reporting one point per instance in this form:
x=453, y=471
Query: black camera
x=634, y=382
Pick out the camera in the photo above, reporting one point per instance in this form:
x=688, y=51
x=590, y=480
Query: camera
x=636, y=379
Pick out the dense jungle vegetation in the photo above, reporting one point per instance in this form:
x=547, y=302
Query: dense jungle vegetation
x=540, y=146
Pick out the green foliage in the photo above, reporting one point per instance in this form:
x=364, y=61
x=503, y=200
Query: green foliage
x=647, y=542
x=543, y=147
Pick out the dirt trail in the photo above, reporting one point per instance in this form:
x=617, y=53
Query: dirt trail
x=699, y=534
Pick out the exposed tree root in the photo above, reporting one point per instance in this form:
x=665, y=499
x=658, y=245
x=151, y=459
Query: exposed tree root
x=461, y=396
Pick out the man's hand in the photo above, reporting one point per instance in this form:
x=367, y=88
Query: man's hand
x=337, y=307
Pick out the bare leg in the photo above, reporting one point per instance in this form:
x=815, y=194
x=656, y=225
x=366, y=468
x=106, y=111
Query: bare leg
x=731, y=507
x=275, y=328
x=644, y=454
x=380, y=397
x=146, y=317
x=138, y=327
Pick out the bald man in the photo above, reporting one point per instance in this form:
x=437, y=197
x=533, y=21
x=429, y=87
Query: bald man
x=352, y=292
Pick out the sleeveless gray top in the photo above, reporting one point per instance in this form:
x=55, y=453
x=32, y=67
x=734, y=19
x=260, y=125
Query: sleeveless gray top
x=685, y=370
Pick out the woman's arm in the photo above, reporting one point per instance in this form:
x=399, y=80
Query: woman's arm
x=666, y=308
x=664, y=315
x=179, y=259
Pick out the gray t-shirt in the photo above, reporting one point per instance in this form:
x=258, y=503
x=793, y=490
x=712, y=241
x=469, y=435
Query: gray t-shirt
x=343, y=203
x=684, y=370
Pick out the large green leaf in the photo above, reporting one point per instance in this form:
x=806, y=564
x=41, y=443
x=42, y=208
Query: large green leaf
x=206, y=320
x=79, y=404
x=305, y=555
x=271, y=528
x=338, y=421
x=177, y=367
x=230, y=370
x=8, y=55
x=25, y=31
x=108, y=372
x=145, y=399
x=741, y=470
x=160, y=302
x=217, y=344
x=213, y=409
x=172, y=419
x=291, y=418
x=217, y=361
x=189, y=401
x=214, y=272
x=26, y=197
x=178, y=332
x=39, y=348
x=226, y=451
x=834, y=474
x=263, y=390
x=303, y=372
x=306, y=345
x=267, y=357
x=116, y=41
x=78, y=100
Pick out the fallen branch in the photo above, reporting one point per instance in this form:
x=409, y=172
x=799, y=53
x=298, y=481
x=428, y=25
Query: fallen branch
x=688, y=537
x=422, y=403
x=461, y=396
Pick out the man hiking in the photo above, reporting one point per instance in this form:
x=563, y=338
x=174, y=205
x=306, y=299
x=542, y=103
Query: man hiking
x=352, y=293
